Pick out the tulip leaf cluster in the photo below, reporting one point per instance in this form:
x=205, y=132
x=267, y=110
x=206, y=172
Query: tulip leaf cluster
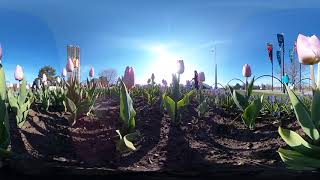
x=304, y=153
x=203, y=106
x=151, y=92
x=59, y=98
x=250, y=109
x=127, y=133
x=43, y=96
x=91, y=95
x=4, y=118
x=20, y=103
x=175, y=104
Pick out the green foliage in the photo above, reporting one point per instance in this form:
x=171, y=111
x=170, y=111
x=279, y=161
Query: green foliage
x=59, y=97
x=43, y=96
x=304, y=153
x=4, y=118
x=250, y=109
x=175, y=104
x=127, y=133
x=75, y=102
x=91, y=94
x=20, y=103
x=203, y=104
x=151, y=93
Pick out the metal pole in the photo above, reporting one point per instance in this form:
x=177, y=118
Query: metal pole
x=272, y=76
x=215, y=60
x=300, y=77
x=283, y=64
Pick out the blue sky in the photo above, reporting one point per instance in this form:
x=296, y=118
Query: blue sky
x=151, y=34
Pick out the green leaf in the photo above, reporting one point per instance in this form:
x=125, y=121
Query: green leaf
x=185, y=100
x=3, y=89
x=71, y=106
x=250, y=88
x=251, y=113
x=239, y=100
x=315, y=113
x=126, y=108
x=23, y=92
x=303, y=116
x=4, y=153
x=170, y=106
x=295, y=141
x=298, y=161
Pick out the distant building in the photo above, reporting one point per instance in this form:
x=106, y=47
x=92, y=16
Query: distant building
x=73, y=52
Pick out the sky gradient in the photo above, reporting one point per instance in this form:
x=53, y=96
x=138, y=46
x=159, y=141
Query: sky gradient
x=151, y=35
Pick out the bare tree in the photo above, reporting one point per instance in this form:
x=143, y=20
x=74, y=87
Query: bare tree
x=108, y=76
x=293, y=71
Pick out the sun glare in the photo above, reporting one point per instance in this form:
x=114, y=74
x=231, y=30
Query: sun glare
x=164, y=63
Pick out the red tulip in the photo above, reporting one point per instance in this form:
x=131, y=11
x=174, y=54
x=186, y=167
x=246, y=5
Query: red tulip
x=246, y=70
x=128, y=77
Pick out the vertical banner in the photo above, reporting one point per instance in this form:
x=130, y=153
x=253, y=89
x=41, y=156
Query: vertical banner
x=291, y=55
x=270, y=52
x=270, y=49
x=279, y=57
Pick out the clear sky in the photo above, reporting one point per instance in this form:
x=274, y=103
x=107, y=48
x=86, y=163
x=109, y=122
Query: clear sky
x=151, y=35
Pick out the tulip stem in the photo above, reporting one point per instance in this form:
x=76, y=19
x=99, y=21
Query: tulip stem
x=312, y=77
x=318, y=83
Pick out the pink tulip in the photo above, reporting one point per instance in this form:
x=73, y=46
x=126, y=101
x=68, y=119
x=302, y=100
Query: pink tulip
x=308, y=49
x=246, y=70
x=44, y=78
x=180, y=66
x=201, y=77
x=18, y=74
x=64, y=72
x=128, y=77
x=91, y=72
x=70, y=65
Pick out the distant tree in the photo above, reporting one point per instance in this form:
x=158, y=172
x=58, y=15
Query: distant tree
x=237, y=86
x=49, y=71
x=108, y=76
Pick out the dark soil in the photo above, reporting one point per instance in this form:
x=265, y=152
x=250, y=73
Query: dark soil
x=214, y=143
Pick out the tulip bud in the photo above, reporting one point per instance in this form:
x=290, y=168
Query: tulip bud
x=148, y=81
x=58, y=79
x=70, y=65
x=152, y=77
x=246, y=70
x=308, y=49
x=128, y=77
x=180, y=66
x=18, y=74
x=64, y=72
x=91, y=72
x=201, y=77
x=44, y=78
x=164, y=82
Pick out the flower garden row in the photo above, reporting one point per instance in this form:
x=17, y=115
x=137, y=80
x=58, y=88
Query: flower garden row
x=70, y=96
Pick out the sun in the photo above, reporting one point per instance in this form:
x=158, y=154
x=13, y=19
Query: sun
x=164, y=63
